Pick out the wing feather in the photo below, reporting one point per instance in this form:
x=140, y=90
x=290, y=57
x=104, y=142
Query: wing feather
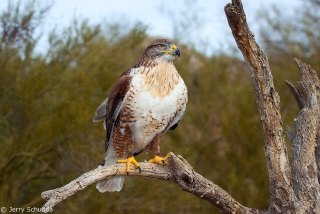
x=101, y=112
x=115, y=102
x=110, y=108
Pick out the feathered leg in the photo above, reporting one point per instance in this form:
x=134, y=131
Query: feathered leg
x=155, y=147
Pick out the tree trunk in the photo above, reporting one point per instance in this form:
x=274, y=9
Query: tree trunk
x=299, y=193
x=294, y=188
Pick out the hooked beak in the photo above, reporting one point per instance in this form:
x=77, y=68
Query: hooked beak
x=176, y=52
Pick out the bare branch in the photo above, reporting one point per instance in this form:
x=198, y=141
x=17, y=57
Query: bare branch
x=290, y=134
x=308, y=88
x=304, y=166
x=295, y=94
x=308, y=84
x=282, y=196
x=179, y=172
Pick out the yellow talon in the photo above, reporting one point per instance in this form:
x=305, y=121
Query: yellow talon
x=160, y=160
x=128, y=161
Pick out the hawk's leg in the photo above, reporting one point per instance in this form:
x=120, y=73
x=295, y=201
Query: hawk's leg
x=155, y=147
x=130, y=158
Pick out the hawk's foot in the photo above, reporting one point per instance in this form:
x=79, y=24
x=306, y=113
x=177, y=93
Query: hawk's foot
x=128, y=161
x=160, y=160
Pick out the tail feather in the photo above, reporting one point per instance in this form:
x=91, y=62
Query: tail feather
x=112, y=184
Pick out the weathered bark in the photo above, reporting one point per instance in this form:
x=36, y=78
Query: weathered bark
x=282, y=196
x=298, y=192
x=306, y=142
x=179, y=172
x=304, y=168
x=308, y=85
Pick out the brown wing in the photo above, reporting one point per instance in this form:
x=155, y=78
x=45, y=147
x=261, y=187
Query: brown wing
x=115, y=102
x=110, y=108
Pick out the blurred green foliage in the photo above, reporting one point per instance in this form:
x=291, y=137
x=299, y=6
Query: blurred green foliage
x=47, y=102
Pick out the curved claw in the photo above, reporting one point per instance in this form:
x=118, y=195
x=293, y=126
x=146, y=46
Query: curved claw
x=160, y=160
x=128, y=161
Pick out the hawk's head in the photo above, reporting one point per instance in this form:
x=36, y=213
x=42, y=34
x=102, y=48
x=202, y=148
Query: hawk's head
x=162, y=49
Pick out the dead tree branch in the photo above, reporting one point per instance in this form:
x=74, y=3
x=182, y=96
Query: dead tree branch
x=306, y=142
x=309, y=84
x=268, y=103
x=288, y=194
x=179, y=172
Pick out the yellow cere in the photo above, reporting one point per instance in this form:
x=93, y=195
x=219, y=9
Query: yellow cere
x=174, y=47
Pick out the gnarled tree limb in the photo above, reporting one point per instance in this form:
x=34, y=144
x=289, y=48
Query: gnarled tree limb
x=179, y=172
x=268, y=103
x=306, y=86
x=306, y=142
x=304, y=164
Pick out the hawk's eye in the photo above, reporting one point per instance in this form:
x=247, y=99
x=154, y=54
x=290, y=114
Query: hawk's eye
x=162, y=45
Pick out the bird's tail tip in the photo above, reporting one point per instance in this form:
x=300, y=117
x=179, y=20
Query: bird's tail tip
x=110, y=185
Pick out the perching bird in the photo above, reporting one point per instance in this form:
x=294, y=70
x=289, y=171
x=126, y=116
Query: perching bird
x=147, y=101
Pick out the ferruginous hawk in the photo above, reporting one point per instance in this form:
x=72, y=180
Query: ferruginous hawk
x=148, y=100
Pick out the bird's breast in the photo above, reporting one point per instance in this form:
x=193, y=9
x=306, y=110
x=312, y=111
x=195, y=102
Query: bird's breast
x=154, y=100
x=159, y=81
